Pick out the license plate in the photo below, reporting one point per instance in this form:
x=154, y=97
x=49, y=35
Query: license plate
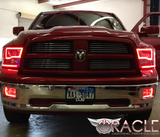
x=80, y=94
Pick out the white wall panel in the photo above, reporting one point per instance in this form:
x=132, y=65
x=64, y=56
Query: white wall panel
x=7, y=21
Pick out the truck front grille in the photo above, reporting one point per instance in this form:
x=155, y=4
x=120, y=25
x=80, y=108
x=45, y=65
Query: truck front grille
x=49, y=64
x=51, y=47
x=102, y=57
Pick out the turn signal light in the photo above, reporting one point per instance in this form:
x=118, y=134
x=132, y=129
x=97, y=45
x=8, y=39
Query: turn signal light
x=12, y=56
x=148, y=93
x=10, y=92
x=146, y=57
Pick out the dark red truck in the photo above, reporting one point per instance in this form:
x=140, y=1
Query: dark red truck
x=81, y=62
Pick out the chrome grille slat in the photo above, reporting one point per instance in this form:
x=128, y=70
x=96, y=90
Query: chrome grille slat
x=109, y=64
x=49, y=64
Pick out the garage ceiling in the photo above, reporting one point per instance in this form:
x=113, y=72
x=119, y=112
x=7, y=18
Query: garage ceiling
x=64, y=3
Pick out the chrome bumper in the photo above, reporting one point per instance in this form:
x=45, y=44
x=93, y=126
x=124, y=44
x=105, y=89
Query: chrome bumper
x=27, y=91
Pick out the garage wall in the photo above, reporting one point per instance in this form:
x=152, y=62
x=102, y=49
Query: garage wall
x=8, y=18
x=129, y=11
x=26, y=6
x=9, y=9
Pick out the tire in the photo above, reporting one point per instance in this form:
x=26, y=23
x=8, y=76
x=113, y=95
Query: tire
x=139, y=116
x=15, y=117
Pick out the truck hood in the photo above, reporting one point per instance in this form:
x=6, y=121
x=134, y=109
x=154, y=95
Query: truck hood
x=75, y=30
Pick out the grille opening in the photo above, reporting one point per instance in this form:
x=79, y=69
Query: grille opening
x=108, y=47
x=49, y=64
x=109, y=64
x=44, y=102
x=51, y=47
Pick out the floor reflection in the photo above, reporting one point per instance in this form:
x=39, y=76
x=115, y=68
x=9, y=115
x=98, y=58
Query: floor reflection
x=58, y=126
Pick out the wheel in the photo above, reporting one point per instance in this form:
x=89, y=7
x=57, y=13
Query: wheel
x=15, y=117
x=139, y=116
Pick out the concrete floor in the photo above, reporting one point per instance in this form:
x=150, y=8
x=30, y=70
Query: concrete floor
x=64, y=126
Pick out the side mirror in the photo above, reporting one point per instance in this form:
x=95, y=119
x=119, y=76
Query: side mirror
x=17, y=30
x=149, y=31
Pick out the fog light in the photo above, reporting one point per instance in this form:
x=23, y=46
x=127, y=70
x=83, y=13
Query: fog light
x=148, y=93
x=10, y=92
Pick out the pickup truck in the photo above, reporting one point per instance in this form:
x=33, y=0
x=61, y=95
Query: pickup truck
x=81, y=62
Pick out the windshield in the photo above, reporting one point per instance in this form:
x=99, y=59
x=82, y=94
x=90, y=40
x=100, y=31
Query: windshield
x=76, y=18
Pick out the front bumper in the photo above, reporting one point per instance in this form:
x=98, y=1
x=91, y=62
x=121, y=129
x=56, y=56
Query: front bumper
x=25, y=92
